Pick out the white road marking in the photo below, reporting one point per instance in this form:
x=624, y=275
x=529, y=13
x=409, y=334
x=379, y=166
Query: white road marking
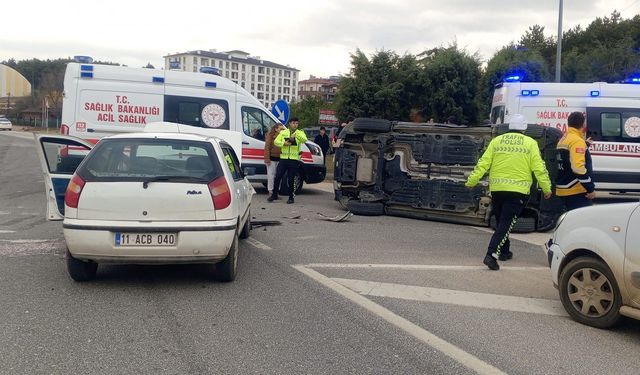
x=7, y=231
x=4, y=212
x=535, y=238
x=455, y=297
x=25, y=241
x=257, y=244
x=416, y=267
x=466, y=359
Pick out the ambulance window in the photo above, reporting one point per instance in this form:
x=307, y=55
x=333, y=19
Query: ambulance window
x=497, y=115
x=189, y=113
x=256, y=123
x=610, y=123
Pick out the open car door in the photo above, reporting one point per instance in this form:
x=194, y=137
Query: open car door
x=59, y=157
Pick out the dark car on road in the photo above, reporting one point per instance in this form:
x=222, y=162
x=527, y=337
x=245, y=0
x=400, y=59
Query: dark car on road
x=418, y=170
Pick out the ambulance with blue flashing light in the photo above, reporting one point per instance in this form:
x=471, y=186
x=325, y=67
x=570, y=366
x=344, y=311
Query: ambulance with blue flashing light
x=612, y=111
x=101, y=100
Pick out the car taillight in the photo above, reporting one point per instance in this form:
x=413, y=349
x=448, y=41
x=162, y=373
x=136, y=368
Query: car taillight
x=72, y=195
x=220, y=193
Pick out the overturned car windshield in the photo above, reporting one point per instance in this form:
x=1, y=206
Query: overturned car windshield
x=147, y=159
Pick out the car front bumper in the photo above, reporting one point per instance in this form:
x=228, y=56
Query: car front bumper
x=198, y=242
x=555, y=256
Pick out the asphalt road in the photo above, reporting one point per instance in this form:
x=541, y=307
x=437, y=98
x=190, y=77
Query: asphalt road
x=374, y=295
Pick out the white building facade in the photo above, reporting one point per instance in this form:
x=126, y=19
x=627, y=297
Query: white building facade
x=265, y=80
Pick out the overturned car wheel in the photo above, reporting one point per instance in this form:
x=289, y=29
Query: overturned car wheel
x=371, y=125
x=365, y=208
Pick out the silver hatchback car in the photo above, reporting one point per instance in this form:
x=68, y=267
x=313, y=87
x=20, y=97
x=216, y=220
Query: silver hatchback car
x=594, y=257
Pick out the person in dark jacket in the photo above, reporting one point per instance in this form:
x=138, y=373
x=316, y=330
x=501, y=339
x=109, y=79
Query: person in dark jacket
x=574, y=184
x=322, y=140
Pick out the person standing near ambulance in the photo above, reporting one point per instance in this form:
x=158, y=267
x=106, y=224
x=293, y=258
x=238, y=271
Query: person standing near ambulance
x=511, y=158
x=289, y=140
x=272, y=155
x=574, y=184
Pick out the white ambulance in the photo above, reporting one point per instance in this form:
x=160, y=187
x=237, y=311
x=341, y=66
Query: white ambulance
x=613, y=121
x=101, y=100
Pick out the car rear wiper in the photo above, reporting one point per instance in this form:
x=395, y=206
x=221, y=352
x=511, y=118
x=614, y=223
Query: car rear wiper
x=146, y=182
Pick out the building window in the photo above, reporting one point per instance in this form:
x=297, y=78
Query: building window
x=294, y=75
x=234, y=66
x=253, y=86
x=261, y=70
x=280, y=72
x=195, y=68
x=204, y=62
x=260, y=78
x=242, y=85
x=287, y=82
x=273, y=97
x=279, y=91
x=195, y=60
x=243, y=77
x=253, y=69
x=267, y=88
x=243, y=67
x=260, y=87
x=293, y=91
x=253, y=77
x=280, y=81
x=220, y=65
x=226, y=74
x=287, y=73
x=273, y=80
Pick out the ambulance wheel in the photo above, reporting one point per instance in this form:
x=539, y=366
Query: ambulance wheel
x=365, y=208
x=371, y=125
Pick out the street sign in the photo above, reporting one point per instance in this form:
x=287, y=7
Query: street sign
x=328, y=117
x=280, y=109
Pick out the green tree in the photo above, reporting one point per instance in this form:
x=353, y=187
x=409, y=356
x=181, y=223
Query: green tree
x=450, y=77
x=308, y=110
x=529, y=64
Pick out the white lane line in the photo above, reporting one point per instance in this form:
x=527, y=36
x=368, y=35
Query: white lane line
x=466, y=359
x=416, y=267
x=257, y=244
x=25, y=241
x=7, y=231
x=455, y=297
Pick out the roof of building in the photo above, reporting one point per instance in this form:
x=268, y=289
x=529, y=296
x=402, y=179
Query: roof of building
x=227, y=56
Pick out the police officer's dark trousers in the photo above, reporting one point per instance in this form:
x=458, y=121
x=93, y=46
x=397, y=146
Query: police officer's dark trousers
x=571, y=202
x=507, y=206
x=291, y=168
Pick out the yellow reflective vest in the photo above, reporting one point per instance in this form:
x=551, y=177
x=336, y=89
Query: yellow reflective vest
x=291, y=152
x=511, y=158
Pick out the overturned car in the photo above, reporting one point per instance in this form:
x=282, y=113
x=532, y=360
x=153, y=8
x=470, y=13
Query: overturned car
x=418, y=170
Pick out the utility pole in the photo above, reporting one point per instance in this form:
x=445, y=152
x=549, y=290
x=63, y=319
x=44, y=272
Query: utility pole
x=559, y=50
x=8, y=103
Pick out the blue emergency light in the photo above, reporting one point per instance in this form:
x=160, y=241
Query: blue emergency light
x=525, y=92
x=535, y=92
x=158, y=80
x=210, y=84
x=210, y=70
x=83, y=59
x=513, y=78
x=594, y=93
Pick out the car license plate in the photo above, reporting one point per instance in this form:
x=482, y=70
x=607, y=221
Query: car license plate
x=145, y=239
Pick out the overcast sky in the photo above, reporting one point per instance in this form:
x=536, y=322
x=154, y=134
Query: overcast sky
x=315, y=37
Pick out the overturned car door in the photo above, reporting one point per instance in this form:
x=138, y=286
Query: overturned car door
x=419, y=171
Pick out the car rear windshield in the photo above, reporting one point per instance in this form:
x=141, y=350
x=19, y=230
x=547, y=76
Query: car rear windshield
x=142, y=159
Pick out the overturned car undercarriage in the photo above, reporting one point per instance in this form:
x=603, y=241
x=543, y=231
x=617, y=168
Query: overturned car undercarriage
x=418, y=170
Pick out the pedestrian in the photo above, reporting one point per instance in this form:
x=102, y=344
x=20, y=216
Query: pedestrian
x=289, y=140
x=322, y=140
x=574, y=184
x=272, y=155
x=511, y=158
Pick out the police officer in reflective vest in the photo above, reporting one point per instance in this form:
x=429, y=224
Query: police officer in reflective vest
x=574, y=184
x=289, y=140
x=511, y=158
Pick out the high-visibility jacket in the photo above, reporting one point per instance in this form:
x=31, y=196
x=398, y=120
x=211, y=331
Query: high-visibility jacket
x=291, y=152
x=511, y=158
x=574, y=165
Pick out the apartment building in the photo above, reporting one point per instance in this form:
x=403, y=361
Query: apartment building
x=265, y=80
x=324, y=88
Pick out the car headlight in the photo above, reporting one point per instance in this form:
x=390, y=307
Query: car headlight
x=315, y=150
